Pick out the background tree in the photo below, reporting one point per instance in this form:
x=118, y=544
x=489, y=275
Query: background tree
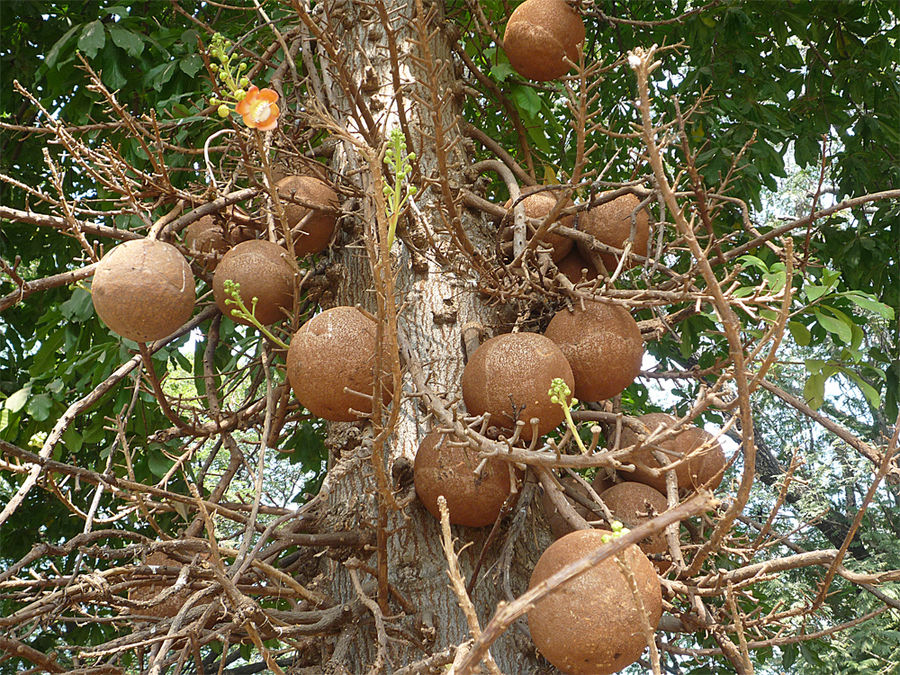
x=776, y=133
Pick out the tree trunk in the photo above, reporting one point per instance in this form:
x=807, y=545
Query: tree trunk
x=438, y=299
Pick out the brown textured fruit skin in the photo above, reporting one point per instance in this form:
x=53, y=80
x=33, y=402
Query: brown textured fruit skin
x=333, y=350
x=316, y=232
x=576, y=267
x=610, y=223
x=445, y=468
x=168, y=607
x=559, y=526
x=143, y=290
x=516, y=369
x=263, y=270
x=635, y=503
x=603, y=344
x=206, y=236
x=591, y=625
x=539, y=34
x=700, y=470
x=538, y=205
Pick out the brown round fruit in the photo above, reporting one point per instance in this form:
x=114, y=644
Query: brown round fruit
x=264, y=272
x=576, y=267
x=143, y=290
x=509, y=376
x=610, y=224
x=591, y=625
x=603, y=344
x=634, y=504
x=559, y=526
x=444, y=466
x=333, y=350
x=206, y=236
x=313, y=235
x=705, y=468
x=169, y=607
x=538, y=205
x=540, y=35
x=603, y=480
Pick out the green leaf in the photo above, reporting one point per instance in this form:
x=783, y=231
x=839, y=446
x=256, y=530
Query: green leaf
x=191, y=64
x=813, y=292
x=157, y=76
x=775, y=280
x=132, y=43
x=501, y=71
x=18, y=400
x=753, y=261
x=117, y=10
x=870, y=304
x=814, y=365
x=527, y=100
x=814, y=390
x=45, y=359
x=158, y=463
x=79, y=307
x=871, y=394
x=800, y=333
x=835, y=326
x=92, y=39
x=72, y=440
x=53, y=54
x=39, y=407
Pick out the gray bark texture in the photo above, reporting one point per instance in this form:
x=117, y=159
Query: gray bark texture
x=438, y=298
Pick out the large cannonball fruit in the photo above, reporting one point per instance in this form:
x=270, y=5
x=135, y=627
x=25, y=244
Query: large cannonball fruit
x=169, y=607
x=313, y=235
x=509, y=376
x=538, y=205
x=143, y=290
x=576, y=267
x=446, y=467
x=205, y=236
x=559, y=526
x=333, y=350
x=603, y=344
x=704, y=468
x=591, y=625
x=610, y=224
x=634, y=504
x=539, y=35
x=264, y=272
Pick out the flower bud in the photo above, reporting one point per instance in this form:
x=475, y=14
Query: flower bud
x=245, y=81
x=240, y=94
x=242, y=67
x=223, y=111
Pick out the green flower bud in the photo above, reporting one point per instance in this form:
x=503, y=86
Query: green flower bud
x=223, y=111
x=242, y=67
x=214, y=67
x=240, y=94
x=245, y=81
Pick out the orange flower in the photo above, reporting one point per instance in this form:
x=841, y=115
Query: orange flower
x=258, y=108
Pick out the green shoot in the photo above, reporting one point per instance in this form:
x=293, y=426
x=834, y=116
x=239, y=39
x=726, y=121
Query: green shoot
x=398, y=159
x=618, y=530
x=559, y=393
x=240, y=311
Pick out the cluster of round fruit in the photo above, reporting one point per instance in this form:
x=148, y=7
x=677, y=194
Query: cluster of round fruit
x=613, y=223
x=144, y=290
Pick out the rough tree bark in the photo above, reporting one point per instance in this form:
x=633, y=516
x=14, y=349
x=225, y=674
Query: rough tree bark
x=438, y=298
